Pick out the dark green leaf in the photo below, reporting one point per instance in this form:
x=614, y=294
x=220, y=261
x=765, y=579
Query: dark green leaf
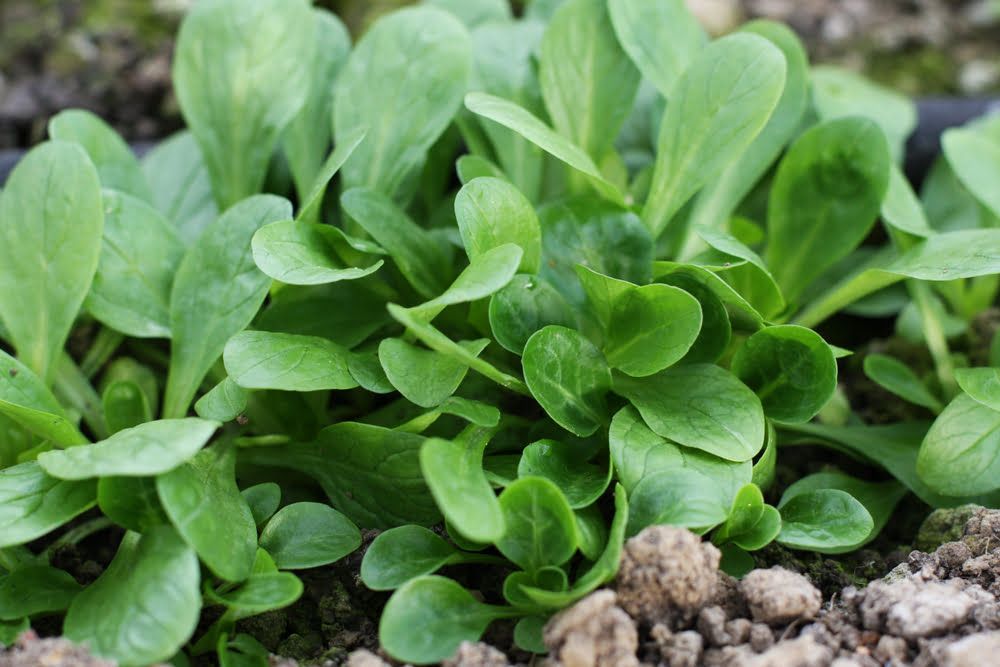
x=304, y=535
x=131, y=502
x=204, y=504
x=25, y=399
x=36, y=589
x=425, y=377
x=540, y=525
x=681, y=497
x=263, y=500
x=569, y=377
x=115, y=615
x=960, y=456
x=895, y=376
x=565, y=465
x=823, y=520
x=261, y=593
x=125, y=405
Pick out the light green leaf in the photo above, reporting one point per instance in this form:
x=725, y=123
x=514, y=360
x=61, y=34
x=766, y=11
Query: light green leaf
x=951, y=255
x=723, y=100
x=117, y=166
x=182, y=189
x=486, y=274
x=310, y=206
x=125, y=405
x=385, y=86
x=51, y=216
x=701, y=406
x=305, y=253
x=681, y=497
x=475, y=12
x=901, y=208
x=240, y=81
x=528, y=125
x=895, y=376
x=307, y=137
x=960, y=456
x=25, y=399
x=982, y=384
x=588, y=82
x=823, y=520
x=454, y=473
x=204, y=504
x=36, y=589
x=224, y=402
x=492, y=212
x=263, y=499
x=662, y=38
x=114, y=616
x=33, y=504
x=288, y=362
x=139, y=257
x=826, y=194
x=305, y=535
x=581, y=481
x=260, y=593
x=148, y=449
x=218, y=276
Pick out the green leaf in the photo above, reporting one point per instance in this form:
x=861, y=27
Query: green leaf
x=288, y=362
x=486, y=274
x=838, y=92
x=305, y=253
x=762, y=533
x=422, y=259
x=826, y=194
x=218, y=276
x=604, y=569
x=344, y=312
x=125, y=405
x=492, y=212
x=370, y=473
x=901, y=208
x=131, y=502
x=117, y=167
x=438, y=342
x=424, y=377
x=592, y=531
x=716, y=328
x=524, y=306
x=982, y=384
x=790, y=368
x=304, y=535
x=975, y=159
x=469, y=167
x=260, y=593
x=309, y=207
x=581, y=481
x=25, y=399
x=823, y=520
x=145, y=450
x=115, y=615
x=746, y=511
x=662, y=38
x=204, y=504
x=722, y=102
x=896, y=377
x=528, y=634
x=427, y=619
x=224, y=402
x=454, y=473
x=522, y=121
x=701, y=406
x=568, y=377
x=637, y=453
x=742, y=268
x=475, y=12
x=400, y=554
x=601, y=236
x=36, y=589
x=959, y=455
x=32, y=503
x=240, y=81
x=648, y=328
x=720, y=197
x=307, y=136
x=182, y=189
x=263, y=500
x=588, y=82
x=11, y=630
x=540, y=525
x=385, y=86
x=504, y=56
x=951, y=255
x=879, y=498
x=681, y=497
x=50, y=203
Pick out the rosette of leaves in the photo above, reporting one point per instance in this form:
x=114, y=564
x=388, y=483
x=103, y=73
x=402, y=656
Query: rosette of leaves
x=601, y=324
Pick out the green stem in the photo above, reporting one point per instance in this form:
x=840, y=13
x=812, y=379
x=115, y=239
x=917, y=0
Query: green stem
x=105, y=345
x=937, y=343
x=76, y=535
x=73, y=389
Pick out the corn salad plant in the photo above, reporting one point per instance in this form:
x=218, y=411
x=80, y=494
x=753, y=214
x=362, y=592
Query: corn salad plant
x=537, y=282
